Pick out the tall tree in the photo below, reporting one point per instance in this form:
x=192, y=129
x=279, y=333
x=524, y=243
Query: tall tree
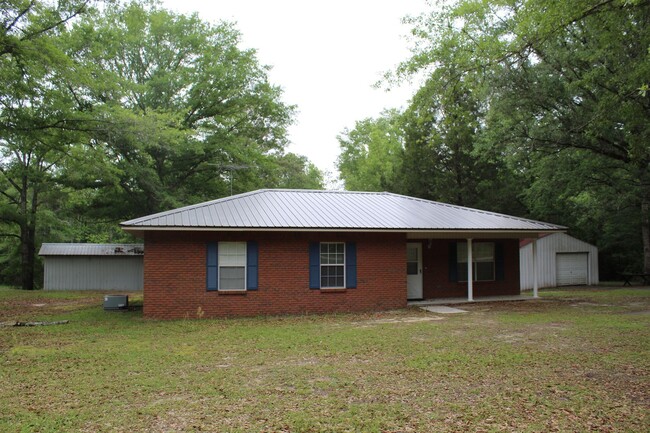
x=37, y=122
x=444, y=158
x=554, y=76
x=185, y=104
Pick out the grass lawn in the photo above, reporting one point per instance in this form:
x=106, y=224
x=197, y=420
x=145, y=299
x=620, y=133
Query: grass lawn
x=575, y=360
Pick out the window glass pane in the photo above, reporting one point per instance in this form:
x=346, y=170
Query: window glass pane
x=332, y=276
x=231, y=277
x=483, y=252
x=484, y=271
x=332, y=259
x=232, y=265
x=411, y=254
x=232, y=253
x=411, y=268
x=324, y=259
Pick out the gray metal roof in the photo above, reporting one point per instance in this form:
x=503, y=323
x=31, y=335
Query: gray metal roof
x=50, y=249
x=277, y=209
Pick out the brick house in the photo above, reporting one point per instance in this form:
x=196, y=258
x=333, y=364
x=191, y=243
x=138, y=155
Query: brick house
x=299, y=251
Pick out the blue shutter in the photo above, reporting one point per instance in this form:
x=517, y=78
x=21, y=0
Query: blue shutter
x=251, y=265
x=314, y=265
x=499, y=268
x=453, y=261
x=212, y=266
x=350, y=265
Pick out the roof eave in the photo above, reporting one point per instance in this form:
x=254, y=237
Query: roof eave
x=138, y=231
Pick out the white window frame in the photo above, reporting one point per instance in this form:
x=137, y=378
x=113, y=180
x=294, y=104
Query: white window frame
x=462, y=259
x=222, y=246
x=320, y=268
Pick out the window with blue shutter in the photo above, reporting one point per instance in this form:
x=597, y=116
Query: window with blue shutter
x=232, y=266
x=484, y=261
x=332, y=265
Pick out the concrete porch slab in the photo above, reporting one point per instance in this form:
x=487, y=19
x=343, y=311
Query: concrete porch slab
x=452, y=301
x=442, y=309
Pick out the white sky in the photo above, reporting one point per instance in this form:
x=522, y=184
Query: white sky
x=325, y=55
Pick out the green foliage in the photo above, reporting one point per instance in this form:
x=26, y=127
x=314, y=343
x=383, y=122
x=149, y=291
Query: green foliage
x=115, y=112
x=560, y=112
x=183, y=103
x=371, y=153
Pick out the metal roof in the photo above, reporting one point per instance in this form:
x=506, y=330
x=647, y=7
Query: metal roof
x=278, y=209
x=51, y=249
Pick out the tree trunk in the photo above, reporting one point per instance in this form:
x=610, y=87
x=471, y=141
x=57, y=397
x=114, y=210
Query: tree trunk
x=645, y=232
x=27, y=247
x=27, y=237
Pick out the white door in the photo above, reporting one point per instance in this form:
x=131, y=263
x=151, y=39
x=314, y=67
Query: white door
x=572, y=269
x=414, y=270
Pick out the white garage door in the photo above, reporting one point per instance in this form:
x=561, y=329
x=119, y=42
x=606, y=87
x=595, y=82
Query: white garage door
x=572, y=269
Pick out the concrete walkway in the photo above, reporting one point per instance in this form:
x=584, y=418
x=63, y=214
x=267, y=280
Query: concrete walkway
x=449, y=301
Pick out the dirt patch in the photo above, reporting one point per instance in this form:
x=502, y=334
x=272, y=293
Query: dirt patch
x=396, y=320
x=28, y=309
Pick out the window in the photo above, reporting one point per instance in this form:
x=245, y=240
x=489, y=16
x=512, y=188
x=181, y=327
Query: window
x=483, y=263
x=232, y=265
x=332, y=264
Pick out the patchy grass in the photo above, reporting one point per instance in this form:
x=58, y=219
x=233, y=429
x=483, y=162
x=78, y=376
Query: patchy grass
x=575, y=360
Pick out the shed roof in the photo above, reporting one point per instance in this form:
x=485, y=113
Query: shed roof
x=308, y=210
x=53, y=249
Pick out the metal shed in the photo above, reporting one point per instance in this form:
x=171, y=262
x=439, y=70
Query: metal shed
x=93, y=266
x=562, y=260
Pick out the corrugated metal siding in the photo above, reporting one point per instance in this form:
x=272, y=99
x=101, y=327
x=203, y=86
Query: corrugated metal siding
x=305, y=209
x=94, y=273
x=547, y=249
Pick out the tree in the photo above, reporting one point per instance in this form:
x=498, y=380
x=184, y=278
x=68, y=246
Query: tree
x=182, y=103
x=125, y=111
x=37, y=125
x=558, y=76
x=371, y=153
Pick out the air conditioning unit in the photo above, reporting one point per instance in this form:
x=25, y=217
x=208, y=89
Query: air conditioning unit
x=116, y=302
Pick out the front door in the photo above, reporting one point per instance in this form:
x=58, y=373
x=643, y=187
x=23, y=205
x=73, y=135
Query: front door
x=414, y=270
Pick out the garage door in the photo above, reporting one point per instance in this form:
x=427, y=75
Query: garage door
x=572, y=269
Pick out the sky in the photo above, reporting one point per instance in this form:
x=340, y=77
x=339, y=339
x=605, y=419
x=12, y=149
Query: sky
x=325, y=55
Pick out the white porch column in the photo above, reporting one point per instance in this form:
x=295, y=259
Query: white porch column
x=470, y=272
x=535, y=295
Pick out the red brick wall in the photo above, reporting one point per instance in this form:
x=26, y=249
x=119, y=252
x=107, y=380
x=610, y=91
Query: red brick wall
x=435, y=272
x=175, y=275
